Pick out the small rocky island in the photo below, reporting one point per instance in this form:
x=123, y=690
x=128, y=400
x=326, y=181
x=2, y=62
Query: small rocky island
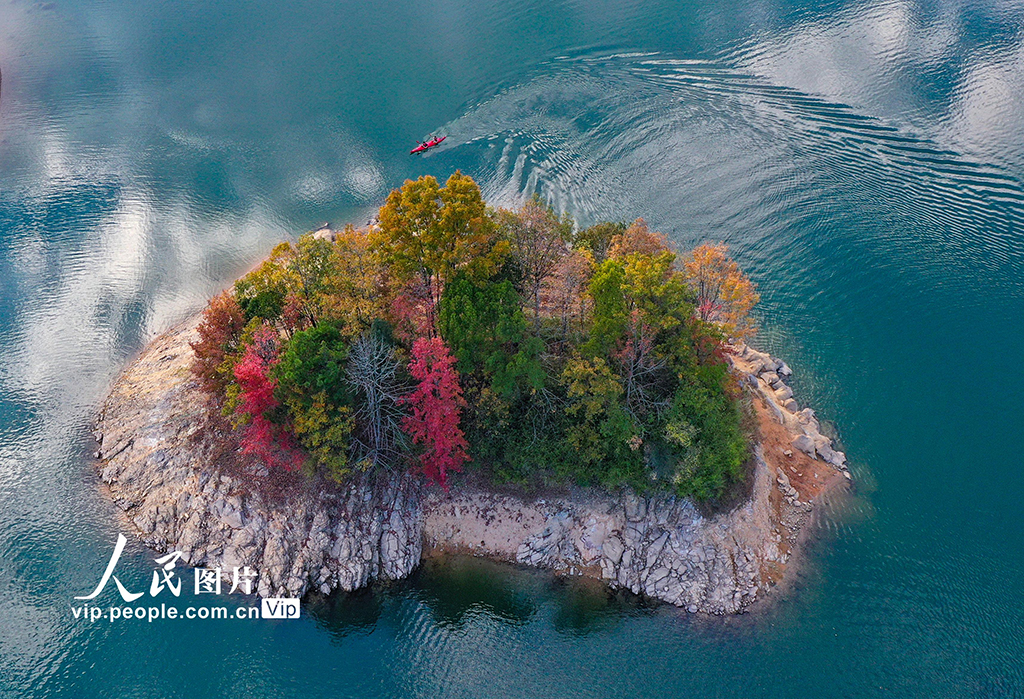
x=572, y=400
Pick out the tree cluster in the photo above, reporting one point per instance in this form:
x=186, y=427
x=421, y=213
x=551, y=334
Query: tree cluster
x=453, y=333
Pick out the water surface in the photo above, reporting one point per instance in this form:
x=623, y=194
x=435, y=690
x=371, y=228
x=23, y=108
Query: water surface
x=864, y=161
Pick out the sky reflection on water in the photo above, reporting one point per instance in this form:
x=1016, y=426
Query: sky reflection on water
x=863, y=159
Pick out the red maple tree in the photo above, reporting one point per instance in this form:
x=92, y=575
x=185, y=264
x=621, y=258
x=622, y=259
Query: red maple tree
x=260, y=437
x=436, y=405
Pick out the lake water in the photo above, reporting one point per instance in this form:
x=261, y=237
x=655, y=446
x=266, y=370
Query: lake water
x=864, y=161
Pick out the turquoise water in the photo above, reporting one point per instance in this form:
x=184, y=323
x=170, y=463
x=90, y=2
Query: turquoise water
x=864, y=160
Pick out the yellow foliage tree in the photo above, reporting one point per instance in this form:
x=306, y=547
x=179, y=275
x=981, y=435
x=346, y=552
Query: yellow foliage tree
x=356, y=294
x=428, y=233
x=262, y=292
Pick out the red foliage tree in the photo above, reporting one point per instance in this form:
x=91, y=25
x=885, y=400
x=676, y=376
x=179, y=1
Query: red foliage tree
x=436, y=404
x=260, y=437
x=219, y=331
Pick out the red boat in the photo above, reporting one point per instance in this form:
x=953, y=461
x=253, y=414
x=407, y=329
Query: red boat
x=427, y=145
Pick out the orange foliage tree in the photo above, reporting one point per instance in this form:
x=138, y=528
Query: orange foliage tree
x=219, y=332
x=724, y=294
x=538, y=241
x=566, y=291
x=637, y=239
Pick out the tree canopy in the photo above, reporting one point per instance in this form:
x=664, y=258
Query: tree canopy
x=453, y=334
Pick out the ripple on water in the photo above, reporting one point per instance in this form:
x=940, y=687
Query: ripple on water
x=710, y=151
x=886, y=242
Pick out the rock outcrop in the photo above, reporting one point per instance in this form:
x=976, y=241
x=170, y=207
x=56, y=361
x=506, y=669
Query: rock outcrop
x=161, y=476
x=161, y=472
x=663, y=547
x=766, y=375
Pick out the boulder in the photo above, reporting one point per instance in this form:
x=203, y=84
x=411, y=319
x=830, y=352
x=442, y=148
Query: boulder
x=612, y=549
x=808, y=420
x=805, y=444
x=823, y=445
x=838, y=459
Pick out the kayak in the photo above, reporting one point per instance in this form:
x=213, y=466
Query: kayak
x=427, y=145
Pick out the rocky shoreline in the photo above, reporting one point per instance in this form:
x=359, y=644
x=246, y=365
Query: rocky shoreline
x=160, y=472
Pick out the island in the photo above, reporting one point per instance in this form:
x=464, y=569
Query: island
x=456, y=378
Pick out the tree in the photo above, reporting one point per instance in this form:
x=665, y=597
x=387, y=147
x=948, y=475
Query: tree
x=262, y=292
x=602, y=436
x=410, y=311
x=640, y=288
x=566, y=288
x=486, y=331
x=311, y=385
x=436, y=405
x=261, y=437
x=219, y=333
x=704, y=430
x=504, y=380
x=538, y=240
x=610, y=311
x=481, y=323
x=643, y=369
x=429, y=233
x=598, y=238
x=639, y=322
x=311, y=265
x=373, y=375
x=637, y=239
x=356, y=290
x=724, y=294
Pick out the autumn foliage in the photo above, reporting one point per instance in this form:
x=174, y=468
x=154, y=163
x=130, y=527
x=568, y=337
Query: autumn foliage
x=724, y=295
x=436, y=407
x=261, y=437
x=219, y=331
x=451, y=330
